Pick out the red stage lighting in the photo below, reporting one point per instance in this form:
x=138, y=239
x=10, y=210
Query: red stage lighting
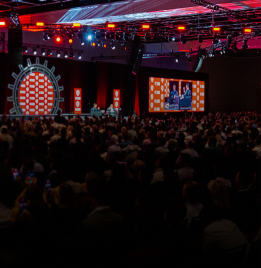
x=216, y=29
x=104, y=45
x=146, y=26
x=76, y=24
x=70, y=40
x=58, y=39
x=2, y=23
x=181, y=28
x=247, y=30
x=110, y=25
x=93, y=44
x=39, y=24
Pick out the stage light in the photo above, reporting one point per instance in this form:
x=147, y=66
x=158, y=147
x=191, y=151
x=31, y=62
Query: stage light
x=70, y=40
x=245, y=46
x=43, y=52
x=34, y=51
x=125, y=48
x=181, y=28
x=89, y=37
x=71, y=55
x=39, y=24
x=113, y=46
x=58, y=39
x=93, y=44
x=49, y=53
x=25, y=50
x=146, y=26
x=58, y=54
x=110, y=25
x=104, y=45
x=66, y=54
x=82, y=42
x=76, y=24
x=177, y=60
x=247, y=30
x=2, y=23
x=79, y=56
x=200, y=38
x=216, y=29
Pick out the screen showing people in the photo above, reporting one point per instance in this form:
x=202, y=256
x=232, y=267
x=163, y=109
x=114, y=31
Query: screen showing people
x=174, y=95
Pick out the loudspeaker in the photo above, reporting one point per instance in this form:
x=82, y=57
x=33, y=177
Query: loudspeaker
x=15, y=46
x=133, y=50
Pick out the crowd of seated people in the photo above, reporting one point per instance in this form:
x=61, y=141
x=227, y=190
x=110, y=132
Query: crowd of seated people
x=98, y=192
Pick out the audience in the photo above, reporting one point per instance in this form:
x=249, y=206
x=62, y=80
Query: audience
x=178, y=192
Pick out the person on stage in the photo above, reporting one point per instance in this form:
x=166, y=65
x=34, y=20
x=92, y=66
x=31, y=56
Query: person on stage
x=187, y=92
x=111, y=109
x=173, y=94
x=95, y=107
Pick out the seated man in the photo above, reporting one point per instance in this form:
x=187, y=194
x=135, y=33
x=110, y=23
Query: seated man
x=173, y=94
x=111, y=109
x=187, y=92
x=95, y=107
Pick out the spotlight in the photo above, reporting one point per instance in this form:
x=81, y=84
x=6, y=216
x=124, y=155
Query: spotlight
x=181, y=28
x=245, y=46
x=93, y=44
x=58, y=54
x=25, y=50
x=34, y=51
x=177, y=60
x=71, y=55
x=58, y=39
x=43, y=52
x=66, y=54
x=200, y=38
x=82, y=42
x=89, y=37
x=104, y=45
x=79, y=56
x=49, y=53
x=70, y=40
x=113, y=46
x=216, y=29
x=247, y=30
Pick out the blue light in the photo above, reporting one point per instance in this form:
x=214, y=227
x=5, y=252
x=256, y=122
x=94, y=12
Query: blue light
x=89, y=37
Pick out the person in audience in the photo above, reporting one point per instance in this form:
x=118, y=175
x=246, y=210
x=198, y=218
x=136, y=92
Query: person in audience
x=190, y=149
x=183, y=163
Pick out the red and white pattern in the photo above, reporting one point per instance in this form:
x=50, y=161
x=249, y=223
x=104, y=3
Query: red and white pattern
x=36, y=94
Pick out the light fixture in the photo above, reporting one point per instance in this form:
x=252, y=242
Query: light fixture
x=49, y=53
x=177, y=60
x=79, y=56
x=76, y=25
x=82, y=42
x=70, y=40
x=113, y=46
x=39, y=24
x=247, y=30
x=34, y=51
x=66, y=54
x=146, y=26
x=216, y=29
x=89, y=37
x=245, y=46
x=58, y=39
x=181, y=28
x=43, y=52
x=58, y=54
x=25, y=50
x=110, y=25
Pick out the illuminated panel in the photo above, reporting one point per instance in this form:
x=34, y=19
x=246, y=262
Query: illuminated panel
x=39, y=24
x=77, y=100
x=159, y=92
x=36, y=94
x=110, y=25
x=145, y=26
x=216, y=29
x=181, y=28
x=247, y=30
x=2, y=23
x=76, y=24
x=116, y=98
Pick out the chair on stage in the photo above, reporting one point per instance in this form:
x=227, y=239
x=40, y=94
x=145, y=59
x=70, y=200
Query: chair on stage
x=186, y=103
x=173, y=103
x=96, y=113
x=113, y=114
